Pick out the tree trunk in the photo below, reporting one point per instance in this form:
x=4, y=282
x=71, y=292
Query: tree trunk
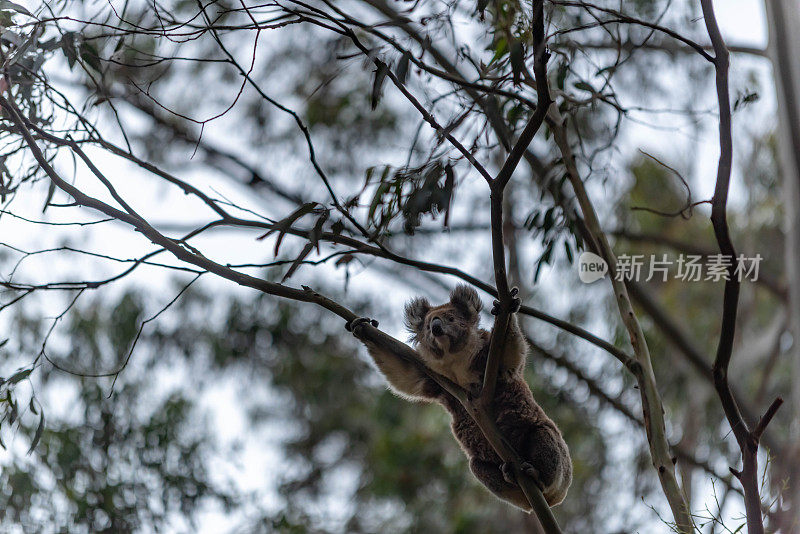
x=784, y=20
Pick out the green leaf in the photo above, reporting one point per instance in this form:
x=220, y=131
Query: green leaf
x=584, y=87
x=500, y=49
x=285, y=224
x=517, y=56
x=377, y=198
x=316, y=232
x=68, y=48
x=449, y=186
x=90, y=56
x=12, y=416
x=298, y=260
x=744, y=100
x=38, y=434
x=561, y=76
x=51, y=190
x=19, y=376
x=401, y=71
x=13, y=6
x=377, y=85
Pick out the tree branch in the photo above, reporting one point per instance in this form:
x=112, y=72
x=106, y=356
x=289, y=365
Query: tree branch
x=652, y=406
x=185, y=252
x=746, y=438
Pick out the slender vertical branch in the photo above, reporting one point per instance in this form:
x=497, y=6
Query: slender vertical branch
x=652, y=407
x=497, y=191
x=497, y=186
x=746, y=438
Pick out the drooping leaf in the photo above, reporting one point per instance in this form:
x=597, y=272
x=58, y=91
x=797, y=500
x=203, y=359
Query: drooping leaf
x=378, y=197
x=517, y=55
x=51, y=190
x=377, y=84
x=90, y=56
x=316, y=232
x=19, y=376
x=13, y=6
x=13, y=411
x=501, y=48
x=285, y=224
x=561, y=75
x=745, y=99
x=401, y=71
x=297, y=261
x=345, y=259
x=69, y=49
x=449, y=185
x=568, y=250
x=38, y=434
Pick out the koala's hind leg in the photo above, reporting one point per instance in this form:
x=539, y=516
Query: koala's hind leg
x=546, y=452
x=492, y=477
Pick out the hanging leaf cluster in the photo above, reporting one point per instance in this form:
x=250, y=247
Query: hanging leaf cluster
x=411, y=193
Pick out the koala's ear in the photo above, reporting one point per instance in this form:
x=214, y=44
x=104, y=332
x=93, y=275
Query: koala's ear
x=466, y=298
x=416, y=310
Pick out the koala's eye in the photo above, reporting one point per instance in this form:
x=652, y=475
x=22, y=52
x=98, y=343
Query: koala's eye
x=449, y=318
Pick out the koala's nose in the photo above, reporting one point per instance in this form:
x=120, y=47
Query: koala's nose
x=436, y=327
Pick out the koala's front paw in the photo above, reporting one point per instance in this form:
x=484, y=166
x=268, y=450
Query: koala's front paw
x=516, y=302
x=357, y=324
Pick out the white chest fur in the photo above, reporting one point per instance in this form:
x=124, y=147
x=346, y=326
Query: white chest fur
x=455, y=368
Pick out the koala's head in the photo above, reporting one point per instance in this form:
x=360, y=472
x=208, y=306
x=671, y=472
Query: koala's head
x=445, y=329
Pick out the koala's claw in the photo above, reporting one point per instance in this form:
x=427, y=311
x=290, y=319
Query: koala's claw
x=508, y=473
x=526, y=467
x=352, y=326
x=532, y=472
x=516, y=302
x=474, y=391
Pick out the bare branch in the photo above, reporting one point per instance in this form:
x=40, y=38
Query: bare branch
x=746, y=438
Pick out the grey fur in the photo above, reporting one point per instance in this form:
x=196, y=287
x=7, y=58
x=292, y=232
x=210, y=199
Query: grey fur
x=415, y=312
x=459, y=352
x=465, y=297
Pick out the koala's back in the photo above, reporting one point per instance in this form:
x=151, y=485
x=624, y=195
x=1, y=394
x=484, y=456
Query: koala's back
x=515, y=412
x=520, y=420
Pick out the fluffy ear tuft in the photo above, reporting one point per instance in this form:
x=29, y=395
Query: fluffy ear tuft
x=416, y=310
x=466, y=298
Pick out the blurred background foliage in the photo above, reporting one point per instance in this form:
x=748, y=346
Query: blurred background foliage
x=220, y=378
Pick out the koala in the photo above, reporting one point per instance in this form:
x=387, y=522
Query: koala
x=450, y=342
